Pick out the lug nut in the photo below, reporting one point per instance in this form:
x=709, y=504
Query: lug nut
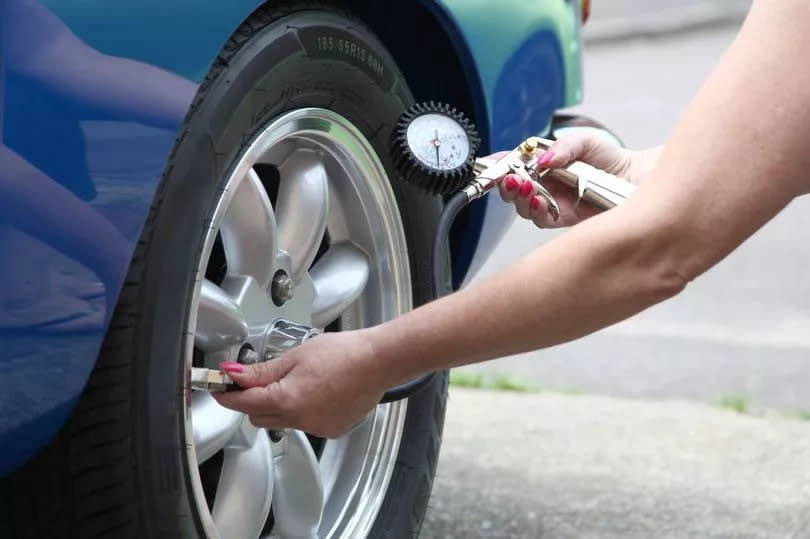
x=247, y=356
x=282, y=288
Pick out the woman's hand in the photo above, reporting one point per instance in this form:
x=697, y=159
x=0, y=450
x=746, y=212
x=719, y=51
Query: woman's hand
x=590, y=148
x=323, y=387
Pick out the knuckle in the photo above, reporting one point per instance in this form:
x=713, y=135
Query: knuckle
x=259, y=371
x=523, y=211
x=272, y=395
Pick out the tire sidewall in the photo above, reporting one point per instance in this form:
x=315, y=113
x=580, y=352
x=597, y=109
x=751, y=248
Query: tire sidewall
x=306, y=59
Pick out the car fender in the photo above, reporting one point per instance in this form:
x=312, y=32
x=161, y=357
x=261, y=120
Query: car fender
x=126, y=155
x=112, y=163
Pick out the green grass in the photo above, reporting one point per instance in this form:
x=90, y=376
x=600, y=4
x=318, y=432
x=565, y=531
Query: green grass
x=509, y=383
x=803, y=415
x=568, y=391
x=477, y=380
x=738, y=403
x=467, y=379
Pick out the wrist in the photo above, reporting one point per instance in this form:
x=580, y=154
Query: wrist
x=387, y=361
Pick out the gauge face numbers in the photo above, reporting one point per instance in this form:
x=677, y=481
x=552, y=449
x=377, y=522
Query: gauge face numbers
x=438, y=141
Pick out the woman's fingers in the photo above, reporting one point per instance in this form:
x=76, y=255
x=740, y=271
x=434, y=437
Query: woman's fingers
x=539, y=212
x=260, y=400
x=269, y=421
x=510, y=187
x=587, y=147
x=525, y=193
x=530, y=205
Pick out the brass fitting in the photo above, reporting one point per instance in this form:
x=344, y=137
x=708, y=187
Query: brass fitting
x=529, y=146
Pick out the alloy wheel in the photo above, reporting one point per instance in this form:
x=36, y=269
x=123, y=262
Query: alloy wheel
x=307, y=230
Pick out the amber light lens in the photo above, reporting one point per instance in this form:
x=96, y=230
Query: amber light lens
x=586, y=10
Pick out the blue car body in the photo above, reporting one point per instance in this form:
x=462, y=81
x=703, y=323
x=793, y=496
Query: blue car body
x=521, y=62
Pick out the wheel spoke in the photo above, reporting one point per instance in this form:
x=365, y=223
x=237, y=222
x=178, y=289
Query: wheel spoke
x=248, y=232
x=302, y=208
x=340, y=277
x=214, y=425
x=245, y=490
x=298, y=490
x=220, y=322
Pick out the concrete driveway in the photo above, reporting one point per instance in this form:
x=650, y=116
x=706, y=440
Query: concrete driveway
x=517, y=465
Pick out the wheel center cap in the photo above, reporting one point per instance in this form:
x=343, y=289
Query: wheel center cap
x=283, y=335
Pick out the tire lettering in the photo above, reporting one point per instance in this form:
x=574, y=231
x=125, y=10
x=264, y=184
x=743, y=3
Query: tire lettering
x=350, y=49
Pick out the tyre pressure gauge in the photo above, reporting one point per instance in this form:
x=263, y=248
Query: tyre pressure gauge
x=434, y=147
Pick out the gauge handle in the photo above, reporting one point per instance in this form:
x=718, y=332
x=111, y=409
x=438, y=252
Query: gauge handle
x=593, y=185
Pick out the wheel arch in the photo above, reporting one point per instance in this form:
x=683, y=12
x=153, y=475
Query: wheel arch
x=451, y=76
x=440, y=47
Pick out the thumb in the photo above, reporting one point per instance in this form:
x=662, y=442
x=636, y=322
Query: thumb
x=589, y=148
x=565, y=150
x=258, y=374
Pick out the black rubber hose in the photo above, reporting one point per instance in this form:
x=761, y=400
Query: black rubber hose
x=441, y=274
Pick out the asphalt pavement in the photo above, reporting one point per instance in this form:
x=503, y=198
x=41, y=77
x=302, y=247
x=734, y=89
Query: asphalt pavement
x=642, y=452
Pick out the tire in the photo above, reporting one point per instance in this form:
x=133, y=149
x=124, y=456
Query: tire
x=119, y=467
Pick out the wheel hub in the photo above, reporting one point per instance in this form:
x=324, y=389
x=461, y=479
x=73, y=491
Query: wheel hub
x=285, y=335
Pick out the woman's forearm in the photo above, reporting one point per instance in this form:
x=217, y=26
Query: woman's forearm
x=586, y=279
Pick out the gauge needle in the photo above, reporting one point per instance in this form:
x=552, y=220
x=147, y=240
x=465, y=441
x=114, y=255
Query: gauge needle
x=437, y=143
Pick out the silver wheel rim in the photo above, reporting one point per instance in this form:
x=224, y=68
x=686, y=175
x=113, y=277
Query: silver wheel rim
x=330, y=180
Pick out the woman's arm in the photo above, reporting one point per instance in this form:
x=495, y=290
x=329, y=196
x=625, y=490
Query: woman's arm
x=41, y=47
x=739, y=155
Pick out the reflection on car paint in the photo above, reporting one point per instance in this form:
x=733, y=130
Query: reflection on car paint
x=84, y=140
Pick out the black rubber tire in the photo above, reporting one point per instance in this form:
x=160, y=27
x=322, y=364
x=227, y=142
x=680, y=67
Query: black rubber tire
x=118, y=467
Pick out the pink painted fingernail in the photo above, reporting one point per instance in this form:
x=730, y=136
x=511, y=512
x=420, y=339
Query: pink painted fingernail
x=231, y=366
x=511, y=182
x=545, y=159
x=526, y=189
x=535, y=203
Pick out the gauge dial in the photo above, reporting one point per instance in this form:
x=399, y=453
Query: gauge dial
x=438, y=141
x=433, y=147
